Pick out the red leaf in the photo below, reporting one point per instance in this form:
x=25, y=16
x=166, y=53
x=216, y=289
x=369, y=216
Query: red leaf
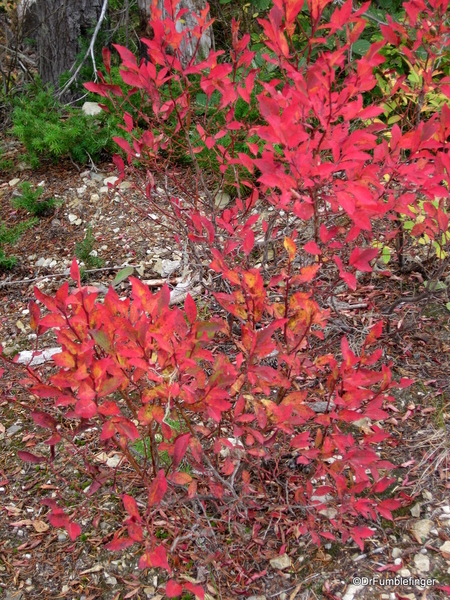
x=135, y=532
x=86, y=409
x=173, y=589
x=360, y=533
x=74, y=530
x=35, y=314
x=155, y=558
x=107, y=59
x=28, y=457
x=180, y=447
x=75, y=272
x=119, y=544
x=360, y=259
x=180, y=478
x=131, y=507
x=190, y=308
x=43, y=420
x=157, y=489
x=374, y=333
x=108, y=431
x=109, y=408
x=123, y=144
x=195, y=589
x=249, y=242
x=312, y=248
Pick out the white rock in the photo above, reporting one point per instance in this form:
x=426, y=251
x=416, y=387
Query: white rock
x=91, y=109
x=112, y=180
x=281, y=562
x=427, y=495
x=14, y=182
x=81, y=190
x=398, y=561
x=26, y=355
x=40, y=262
x=351, y=592
x=445, y=547
x=103, y=189
x=421, y=530
x=422, y=563
x=113, y=461
x=446, y=509
x=396, y=552
x=72, y=218
x=125, y=185
x=415, y=510
x=95, y=197
x=404, y=573
x=52, y=264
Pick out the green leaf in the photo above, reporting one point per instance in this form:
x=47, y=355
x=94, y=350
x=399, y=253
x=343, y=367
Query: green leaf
x=101, y=339
x=122, y=275
x=386, y=255
x=361, y=47
x=447, y=306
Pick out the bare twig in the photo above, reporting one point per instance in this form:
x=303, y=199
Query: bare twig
x=90, y=51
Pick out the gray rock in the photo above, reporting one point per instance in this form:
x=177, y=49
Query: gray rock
x=422, y=563
x=14, y=182
x=91, y=109
x=62, y=537
x=415, y=510
x=13, y=430
x=110, y=580
x=281, y=562
x=222, y=200
x=396, y=552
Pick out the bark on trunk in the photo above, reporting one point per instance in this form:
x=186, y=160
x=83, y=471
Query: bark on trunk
x=188, y=21
x=57, y=26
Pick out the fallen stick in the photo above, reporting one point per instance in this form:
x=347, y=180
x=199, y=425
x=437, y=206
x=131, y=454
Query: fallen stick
x=149, y=282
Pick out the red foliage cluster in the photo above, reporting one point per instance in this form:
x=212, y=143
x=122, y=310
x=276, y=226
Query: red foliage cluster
x=318, y=157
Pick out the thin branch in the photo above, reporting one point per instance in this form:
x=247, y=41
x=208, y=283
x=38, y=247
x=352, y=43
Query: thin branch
x=90, y=51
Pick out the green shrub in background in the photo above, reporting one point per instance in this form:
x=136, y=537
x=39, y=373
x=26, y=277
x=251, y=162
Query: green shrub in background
x=30, y=201
x=10, y=235
x=49, y=130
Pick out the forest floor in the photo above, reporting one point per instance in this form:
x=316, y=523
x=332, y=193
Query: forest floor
x=38, y=561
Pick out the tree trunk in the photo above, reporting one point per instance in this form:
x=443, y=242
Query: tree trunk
x=56, y=26
x=187, y=49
